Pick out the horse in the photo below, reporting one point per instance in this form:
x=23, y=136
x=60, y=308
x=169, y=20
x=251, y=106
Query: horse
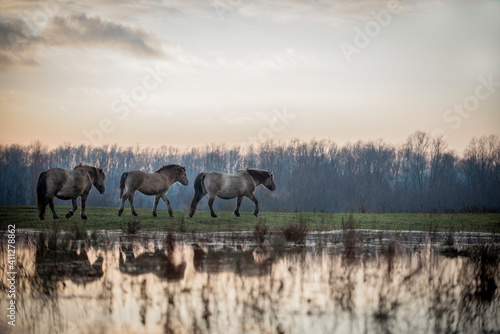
x=152, y=184
x=227, y=186
x=67, y=184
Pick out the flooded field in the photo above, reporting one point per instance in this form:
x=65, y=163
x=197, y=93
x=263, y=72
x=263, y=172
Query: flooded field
x=336, y=282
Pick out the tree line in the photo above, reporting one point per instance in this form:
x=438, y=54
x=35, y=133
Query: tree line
x=419, y=175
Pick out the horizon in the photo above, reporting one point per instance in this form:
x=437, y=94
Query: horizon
x=243, y=147
x=191, y=74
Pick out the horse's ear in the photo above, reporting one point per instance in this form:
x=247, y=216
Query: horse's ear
x=79, y=165
x=102, y=173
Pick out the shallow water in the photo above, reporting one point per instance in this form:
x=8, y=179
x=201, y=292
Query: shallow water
x=338, y=282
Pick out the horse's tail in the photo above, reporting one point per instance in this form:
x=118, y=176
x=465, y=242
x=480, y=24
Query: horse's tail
x=41, y=194
x=122, y=183
x=199, y=185
x=199, y=192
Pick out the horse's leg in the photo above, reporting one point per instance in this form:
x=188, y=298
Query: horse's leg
x=122, y=203
x=131, y=202
x=167, y=202
x=155, y=204
x=51, y=205
x=73, y=208
x=194, y=203
x=238, y=203
x=83, y=199
x=211, y=206
x=256, y=202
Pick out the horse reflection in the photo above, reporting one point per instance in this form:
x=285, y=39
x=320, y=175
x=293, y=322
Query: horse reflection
x=60, y=265
x=240, y=260
x=157, y=262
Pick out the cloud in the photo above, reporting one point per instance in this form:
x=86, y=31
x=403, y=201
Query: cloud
x=81, y=30
x=238, y=120
x=17, y=44
x=325, y=11
x=334, y=12
x=285, y=60
x=21, y=41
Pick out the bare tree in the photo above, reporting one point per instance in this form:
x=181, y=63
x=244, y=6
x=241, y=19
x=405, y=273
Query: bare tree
x=421, y=174
x=416, y=154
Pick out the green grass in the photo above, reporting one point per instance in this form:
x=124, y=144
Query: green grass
x=107, y=219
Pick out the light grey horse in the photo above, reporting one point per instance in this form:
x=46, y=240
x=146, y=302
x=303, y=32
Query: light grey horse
x=153, y=184
x=226, y=186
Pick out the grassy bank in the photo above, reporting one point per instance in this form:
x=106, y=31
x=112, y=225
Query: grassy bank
x=107, y=219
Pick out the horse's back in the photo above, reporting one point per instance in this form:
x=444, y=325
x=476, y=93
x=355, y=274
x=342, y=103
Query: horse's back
x=215, y=179
x=147, y=183
x=135, y=178
x=57, y=177
x=228, y=186
x=66, y=184
x=136, y=175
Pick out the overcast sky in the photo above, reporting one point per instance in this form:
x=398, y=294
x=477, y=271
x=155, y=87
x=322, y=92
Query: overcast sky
x=186, y=73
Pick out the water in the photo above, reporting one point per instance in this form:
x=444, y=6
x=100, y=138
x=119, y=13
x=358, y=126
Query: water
x=338, y=282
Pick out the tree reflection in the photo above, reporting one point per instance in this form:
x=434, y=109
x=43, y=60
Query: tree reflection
x=156, y=283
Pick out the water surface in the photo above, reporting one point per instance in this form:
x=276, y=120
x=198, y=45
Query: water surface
x=338, y=282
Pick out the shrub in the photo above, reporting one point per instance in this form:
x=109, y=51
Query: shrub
x=260, y=232
x=295, y=232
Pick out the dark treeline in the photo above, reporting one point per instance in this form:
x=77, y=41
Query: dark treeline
x=419, y=175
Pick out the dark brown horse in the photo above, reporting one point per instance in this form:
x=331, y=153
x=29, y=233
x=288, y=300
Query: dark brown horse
x=153, y=184
x=226, y=186
x=67, y=185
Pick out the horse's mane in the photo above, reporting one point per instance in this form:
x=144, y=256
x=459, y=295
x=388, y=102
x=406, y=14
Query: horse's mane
x=168, y=167
x=258, y=174
x=80, y=165
x=98, y=170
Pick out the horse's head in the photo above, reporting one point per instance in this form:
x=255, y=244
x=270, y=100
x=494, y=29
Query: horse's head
x=182, y=177
x=99, y=180
x=269, y=182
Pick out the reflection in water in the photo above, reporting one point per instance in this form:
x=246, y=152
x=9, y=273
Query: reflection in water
x=71, y=263
x=157, y=262
x=131, y=284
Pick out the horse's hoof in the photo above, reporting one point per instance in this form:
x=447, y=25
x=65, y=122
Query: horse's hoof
x=120, y=213
x=55, y=217
x=68, y=215
x=214, y=216
x=256, y=214
x=171, y=214
x=237, y=214
x=191, y=215
x=135, y=213
x=154, y=214
x=42, y=218
x=84, y=217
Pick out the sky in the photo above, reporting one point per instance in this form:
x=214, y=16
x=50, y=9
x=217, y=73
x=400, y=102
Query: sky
x=194, y=72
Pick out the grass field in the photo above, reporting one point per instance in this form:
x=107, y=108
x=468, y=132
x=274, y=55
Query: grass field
x=101, y=218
